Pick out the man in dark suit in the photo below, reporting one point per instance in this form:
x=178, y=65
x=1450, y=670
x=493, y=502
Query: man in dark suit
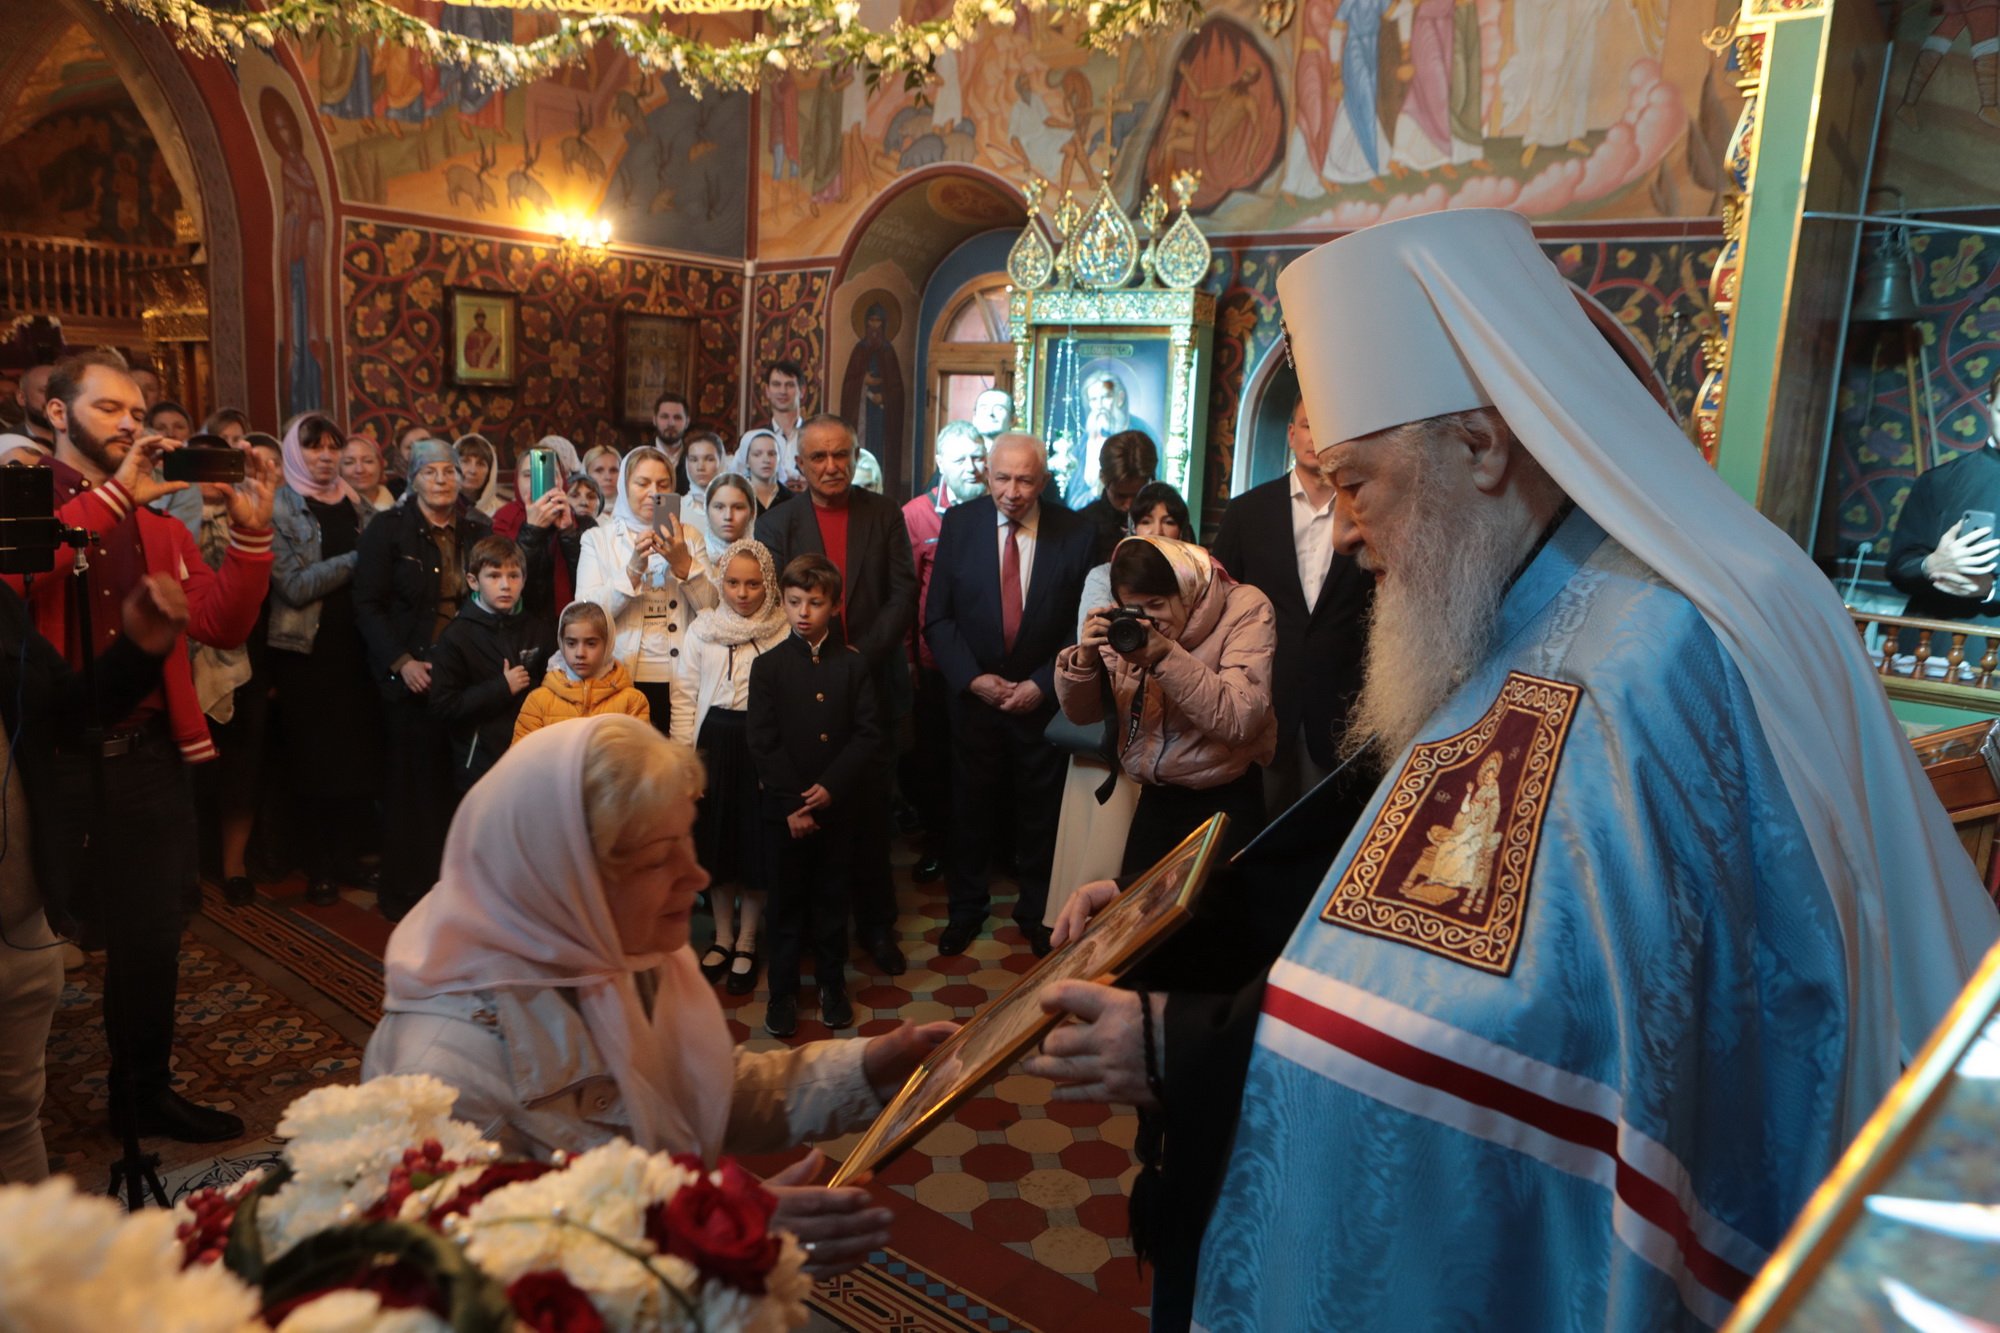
x=1004, y=591
x=1278, y=538
x=863, y=534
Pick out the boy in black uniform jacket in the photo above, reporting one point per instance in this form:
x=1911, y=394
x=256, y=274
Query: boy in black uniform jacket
x=813, y=734
x=485, y=661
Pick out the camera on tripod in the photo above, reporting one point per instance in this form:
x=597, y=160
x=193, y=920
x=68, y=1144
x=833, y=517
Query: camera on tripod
x=30, y=533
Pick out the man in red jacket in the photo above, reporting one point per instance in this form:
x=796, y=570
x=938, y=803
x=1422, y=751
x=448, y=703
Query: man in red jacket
x=961, y=466
x=126, y=816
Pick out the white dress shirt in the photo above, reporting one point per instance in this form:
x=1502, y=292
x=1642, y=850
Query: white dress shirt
x=1312, y=539
x=1024, y=541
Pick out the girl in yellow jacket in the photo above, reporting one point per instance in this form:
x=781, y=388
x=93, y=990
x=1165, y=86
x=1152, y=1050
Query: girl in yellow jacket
x=586, y=680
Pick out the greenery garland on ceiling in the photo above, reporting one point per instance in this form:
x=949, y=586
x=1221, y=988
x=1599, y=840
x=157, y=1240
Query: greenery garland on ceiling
x=796, y=35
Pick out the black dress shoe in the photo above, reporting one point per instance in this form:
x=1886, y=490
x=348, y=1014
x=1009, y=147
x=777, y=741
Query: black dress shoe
x=929, y=870
x=741, y=980
x=888, y=955
x=712, y=972
x=957, y=935
x=834, y=1010
x=322, y=893
x=168, y=1115
x=1038, y=939
x=781, y=1016
x=239, y=891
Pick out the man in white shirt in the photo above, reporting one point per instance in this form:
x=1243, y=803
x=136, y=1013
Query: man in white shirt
x=1278, y=537
x=37, y=441
x=782, y=392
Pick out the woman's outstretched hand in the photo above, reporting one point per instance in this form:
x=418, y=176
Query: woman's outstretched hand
x=838, y=1228
x=892, y=1057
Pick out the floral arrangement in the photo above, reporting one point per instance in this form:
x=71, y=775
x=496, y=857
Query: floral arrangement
x=794, y=34
x=388, y=1216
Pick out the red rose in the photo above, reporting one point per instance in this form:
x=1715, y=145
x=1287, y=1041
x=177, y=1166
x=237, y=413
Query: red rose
x=548, y=1302
x=721, y=1227
x=495, y=1177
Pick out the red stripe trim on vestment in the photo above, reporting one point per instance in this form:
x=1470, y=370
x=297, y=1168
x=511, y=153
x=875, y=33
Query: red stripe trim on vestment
x=1646, y=1197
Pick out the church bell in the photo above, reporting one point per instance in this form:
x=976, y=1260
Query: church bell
x=1886, y=290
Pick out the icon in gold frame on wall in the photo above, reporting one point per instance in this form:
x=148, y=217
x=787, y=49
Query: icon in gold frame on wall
x=655, y=356
x=482, y=336
x=1151, y=908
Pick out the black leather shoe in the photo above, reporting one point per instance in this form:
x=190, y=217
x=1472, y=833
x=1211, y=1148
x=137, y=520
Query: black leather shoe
x=322, y=893
x=239, y=891
x=834, y=1010
x=888, y=955
x=712, y=972
x=1038, y=939
x=168, y=1115
x=781, y=1016
x=929, y=870
x=741, y=980
x=957, y=935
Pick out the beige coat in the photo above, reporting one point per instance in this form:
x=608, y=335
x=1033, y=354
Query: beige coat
x=1207, y=713
x=529, y=1076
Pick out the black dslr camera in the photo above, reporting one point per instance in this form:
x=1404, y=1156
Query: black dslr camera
x=1126, y=632
x=29, y=530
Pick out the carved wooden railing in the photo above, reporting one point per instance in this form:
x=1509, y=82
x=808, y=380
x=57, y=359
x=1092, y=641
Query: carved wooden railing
x=1943, y=642
x=79, y=282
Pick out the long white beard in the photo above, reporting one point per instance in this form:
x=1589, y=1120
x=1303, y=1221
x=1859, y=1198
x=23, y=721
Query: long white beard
x=1432, y=621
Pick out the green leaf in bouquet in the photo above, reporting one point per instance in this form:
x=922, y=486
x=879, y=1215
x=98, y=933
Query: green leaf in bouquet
x=244, y=1254
x=477, y=1303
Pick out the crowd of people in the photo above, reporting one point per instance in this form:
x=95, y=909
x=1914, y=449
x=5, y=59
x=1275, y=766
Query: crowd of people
x=373, y=624
x=1580, y=904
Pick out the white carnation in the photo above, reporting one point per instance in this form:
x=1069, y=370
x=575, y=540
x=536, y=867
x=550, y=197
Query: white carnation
x=73, y=1263
x=344, y=1143
x=588, y=1220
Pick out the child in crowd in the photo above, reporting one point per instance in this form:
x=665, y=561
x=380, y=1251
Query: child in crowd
x=813, y=735
x=711, y=693
x=585, y=504
x=484, y=661
x=586, y=679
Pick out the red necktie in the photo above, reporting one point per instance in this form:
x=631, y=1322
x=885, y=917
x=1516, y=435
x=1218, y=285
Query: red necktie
x=1010, y=588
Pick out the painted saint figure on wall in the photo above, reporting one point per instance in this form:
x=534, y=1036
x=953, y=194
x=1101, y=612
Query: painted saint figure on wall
x=871, y=392
x=301, y=260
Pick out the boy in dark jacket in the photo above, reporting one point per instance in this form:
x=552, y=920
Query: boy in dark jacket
x=813, y=734
x=485, y=661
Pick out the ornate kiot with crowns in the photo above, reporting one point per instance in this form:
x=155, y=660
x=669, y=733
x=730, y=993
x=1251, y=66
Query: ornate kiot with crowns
x=1100, y=249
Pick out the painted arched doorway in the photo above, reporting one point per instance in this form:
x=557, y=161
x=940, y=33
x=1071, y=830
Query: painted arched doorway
x=878, y=311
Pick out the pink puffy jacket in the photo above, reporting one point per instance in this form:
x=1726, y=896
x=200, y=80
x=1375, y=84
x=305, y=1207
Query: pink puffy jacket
x=1207, y=714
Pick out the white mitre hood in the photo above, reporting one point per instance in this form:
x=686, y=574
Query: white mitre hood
x=1458, y=310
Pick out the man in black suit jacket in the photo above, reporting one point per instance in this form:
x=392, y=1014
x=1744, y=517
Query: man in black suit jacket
x=995, y=625
x=1278, y=538
x=863, y=534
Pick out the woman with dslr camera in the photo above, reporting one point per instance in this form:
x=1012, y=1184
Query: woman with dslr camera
x=1183, y=658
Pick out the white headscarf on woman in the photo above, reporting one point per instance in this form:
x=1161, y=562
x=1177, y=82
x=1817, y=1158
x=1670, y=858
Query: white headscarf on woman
x=519, y=904
x=565, y=453
x=628, y=519
x=488, y=500
x=1469, y=298
x=298, y=475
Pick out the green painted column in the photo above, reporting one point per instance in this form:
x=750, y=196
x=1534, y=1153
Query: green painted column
x=1785, y=114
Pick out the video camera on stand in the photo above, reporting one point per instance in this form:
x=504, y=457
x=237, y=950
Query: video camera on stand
x=30, y=532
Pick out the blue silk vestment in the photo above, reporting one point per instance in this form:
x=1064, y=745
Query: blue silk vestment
x=1559, y=1044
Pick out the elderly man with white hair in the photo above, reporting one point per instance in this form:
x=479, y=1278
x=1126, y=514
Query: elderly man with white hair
x=1004, y=588
x=1642, y=919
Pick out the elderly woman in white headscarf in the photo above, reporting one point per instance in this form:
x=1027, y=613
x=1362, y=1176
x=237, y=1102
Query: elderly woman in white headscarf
x=548, y=978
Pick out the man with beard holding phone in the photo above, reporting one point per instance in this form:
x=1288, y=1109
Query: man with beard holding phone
x=132, y=837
